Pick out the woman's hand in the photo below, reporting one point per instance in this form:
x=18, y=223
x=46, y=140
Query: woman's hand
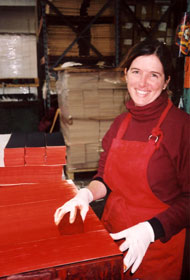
x=80, y=201
x=137, y=240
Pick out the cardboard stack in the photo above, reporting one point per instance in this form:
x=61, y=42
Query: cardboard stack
x=101, y=36
x=89, y=100
x=59, y=38
x=73, y=7
x=68, y=8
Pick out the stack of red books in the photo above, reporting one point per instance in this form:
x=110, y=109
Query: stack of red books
x=14, y=152
x=35, y=150
x=55, y=149
x=29, y=159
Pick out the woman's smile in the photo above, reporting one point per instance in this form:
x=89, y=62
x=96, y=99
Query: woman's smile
x=141, y=92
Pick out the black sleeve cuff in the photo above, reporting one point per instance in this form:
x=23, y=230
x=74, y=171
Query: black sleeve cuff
x=100, y=179
x=157, y=228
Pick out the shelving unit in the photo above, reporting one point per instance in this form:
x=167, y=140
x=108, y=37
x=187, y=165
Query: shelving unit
x=75, y=29
x=92, y=32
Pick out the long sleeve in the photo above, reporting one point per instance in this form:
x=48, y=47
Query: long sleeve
x=175, y=168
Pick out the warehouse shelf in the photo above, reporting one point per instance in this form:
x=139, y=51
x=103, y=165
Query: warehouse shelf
x=146, y=18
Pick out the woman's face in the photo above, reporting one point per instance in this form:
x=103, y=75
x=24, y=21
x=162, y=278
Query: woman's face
x=145, y=79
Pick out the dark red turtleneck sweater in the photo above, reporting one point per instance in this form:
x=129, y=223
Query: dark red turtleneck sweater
x=169, y=167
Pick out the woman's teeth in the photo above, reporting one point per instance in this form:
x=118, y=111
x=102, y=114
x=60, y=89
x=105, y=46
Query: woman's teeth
x=141, y=92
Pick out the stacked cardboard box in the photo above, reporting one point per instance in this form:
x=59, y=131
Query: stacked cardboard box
x=72, y=8
x=59, y=38
x=102, y=35
x=68, y=8
x=89, y=100
x=96, y=6
x=103, y=38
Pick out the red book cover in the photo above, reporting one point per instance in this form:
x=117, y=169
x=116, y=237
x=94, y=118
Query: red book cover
x=14, y=152
x=55, y=149
x=35, y=149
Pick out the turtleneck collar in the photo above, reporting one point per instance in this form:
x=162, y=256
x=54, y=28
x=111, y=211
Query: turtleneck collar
x=150, y=111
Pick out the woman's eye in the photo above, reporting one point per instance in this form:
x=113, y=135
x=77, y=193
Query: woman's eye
x=154, y=75
x=135, y=71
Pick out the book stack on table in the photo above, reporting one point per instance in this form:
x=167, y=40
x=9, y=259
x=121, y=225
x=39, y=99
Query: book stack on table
x=55, y=149
x=14, y=151
x=35, y=149
x=32, y=157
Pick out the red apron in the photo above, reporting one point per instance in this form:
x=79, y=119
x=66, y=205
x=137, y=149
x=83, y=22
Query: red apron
x=132, y=201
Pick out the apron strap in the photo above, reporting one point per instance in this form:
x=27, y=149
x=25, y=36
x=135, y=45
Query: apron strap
x=157, y=134
x=123, y=126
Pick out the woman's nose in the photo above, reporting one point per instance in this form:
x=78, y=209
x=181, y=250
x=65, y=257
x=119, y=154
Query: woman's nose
x=143, y=80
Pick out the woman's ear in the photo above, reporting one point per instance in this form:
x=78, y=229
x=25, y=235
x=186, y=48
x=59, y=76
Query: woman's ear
x=166, y=83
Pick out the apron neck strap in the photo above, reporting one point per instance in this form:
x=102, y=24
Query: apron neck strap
x=157, y=134
x=123, y=126
x=163, y=115
x=156, y=131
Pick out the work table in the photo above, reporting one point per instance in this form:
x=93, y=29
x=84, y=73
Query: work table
x=31, y=243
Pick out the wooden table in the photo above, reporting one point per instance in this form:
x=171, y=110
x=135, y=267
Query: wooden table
x=31, y=245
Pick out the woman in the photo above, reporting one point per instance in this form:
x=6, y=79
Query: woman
x=144, y=169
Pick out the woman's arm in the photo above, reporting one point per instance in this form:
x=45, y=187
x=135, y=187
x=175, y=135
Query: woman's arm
x=98, y=189
x=174, y=189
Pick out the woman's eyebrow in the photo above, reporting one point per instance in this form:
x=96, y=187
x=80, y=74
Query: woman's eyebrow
x=135, y=68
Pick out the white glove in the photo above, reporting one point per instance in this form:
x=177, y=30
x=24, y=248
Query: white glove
x=80, y=201
x=137, y=241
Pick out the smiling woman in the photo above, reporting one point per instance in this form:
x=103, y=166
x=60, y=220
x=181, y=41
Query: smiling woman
x=144, y=171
